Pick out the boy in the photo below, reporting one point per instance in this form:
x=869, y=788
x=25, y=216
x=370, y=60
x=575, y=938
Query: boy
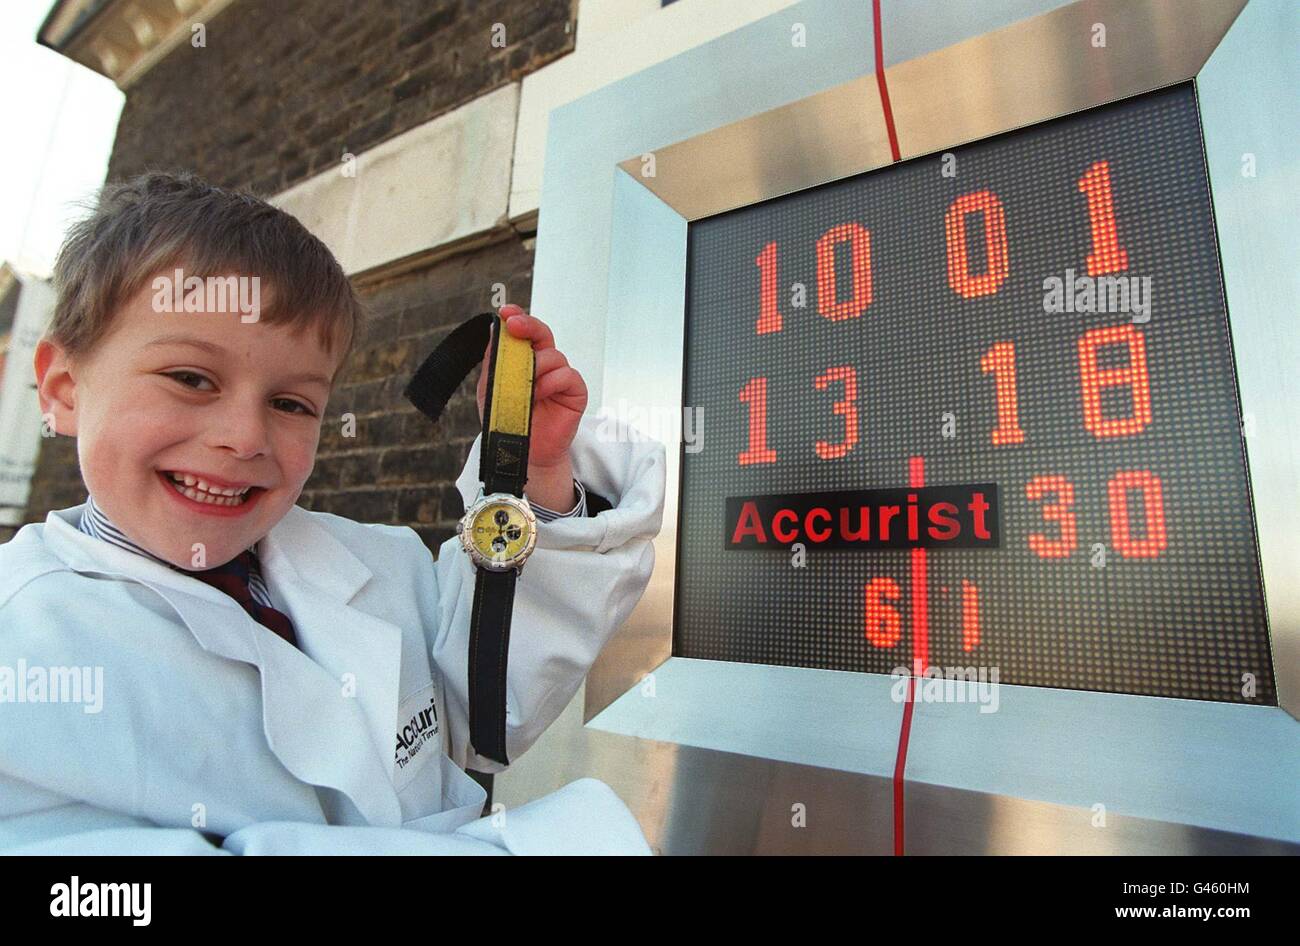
x=192, y=659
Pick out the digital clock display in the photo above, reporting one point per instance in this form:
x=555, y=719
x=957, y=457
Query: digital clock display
x=977, y=410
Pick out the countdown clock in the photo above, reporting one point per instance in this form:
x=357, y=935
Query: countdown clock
x=977, y=409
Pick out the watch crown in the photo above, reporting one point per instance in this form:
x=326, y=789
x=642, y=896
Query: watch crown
x=459, y=527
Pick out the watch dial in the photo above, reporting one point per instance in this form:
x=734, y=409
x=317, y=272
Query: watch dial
x=500, y=531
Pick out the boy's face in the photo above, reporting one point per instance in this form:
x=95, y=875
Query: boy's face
x=201, y=394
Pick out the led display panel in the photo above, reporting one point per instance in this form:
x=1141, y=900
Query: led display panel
x=977, y=410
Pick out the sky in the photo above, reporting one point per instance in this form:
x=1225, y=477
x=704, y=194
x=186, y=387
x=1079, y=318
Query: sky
x=56, y=130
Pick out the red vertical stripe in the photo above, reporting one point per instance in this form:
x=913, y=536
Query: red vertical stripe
x=920, y=657
x=880, y=81
x=900, y=763
x=916, y=478
x=920, y=585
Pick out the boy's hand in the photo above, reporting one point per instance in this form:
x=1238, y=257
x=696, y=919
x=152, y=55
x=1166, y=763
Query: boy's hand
x=559, y=401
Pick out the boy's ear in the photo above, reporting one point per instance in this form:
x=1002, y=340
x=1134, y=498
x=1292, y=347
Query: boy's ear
x=55, y=386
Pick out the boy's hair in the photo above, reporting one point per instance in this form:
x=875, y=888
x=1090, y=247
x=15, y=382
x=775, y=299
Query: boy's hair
x=156, y=222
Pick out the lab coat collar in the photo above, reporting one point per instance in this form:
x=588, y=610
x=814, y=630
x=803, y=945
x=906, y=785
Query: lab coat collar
x=329, y=710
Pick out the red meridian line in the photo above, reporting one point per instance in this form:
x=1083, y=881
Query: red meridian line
x=920, y=655
x=920, y=584
x=880, y=81
x=900, y=763
x=920, y=611
x=920, y=614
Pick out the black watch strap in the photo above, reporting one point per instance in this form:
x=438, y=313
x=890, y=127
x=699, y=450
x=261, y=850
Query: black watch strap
x=503, y=468
x=489, y=645
x=503, y=460
x=441, y=373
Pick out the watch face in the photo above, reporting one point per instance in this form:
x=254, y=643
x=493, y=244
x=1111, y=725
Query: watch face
x=499, y=533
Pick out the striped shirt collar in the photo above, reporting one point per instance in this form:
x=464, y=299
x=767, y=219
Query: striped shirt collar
x=96, y=524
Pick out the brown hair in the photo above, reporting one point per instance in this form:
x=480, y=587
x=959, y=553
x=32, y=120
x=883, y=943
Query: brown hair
x=156, y=221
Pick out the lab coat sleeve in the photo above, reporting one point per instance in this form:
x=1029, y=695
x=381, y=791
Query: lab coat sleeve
x=263, y=838
x=582, y=818
x=54, y=824
x=581, y=583
x=157, y=842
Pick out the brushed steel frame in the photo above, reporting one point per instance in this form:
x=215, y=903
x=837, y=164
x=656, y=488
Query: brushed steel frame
x=676, y=737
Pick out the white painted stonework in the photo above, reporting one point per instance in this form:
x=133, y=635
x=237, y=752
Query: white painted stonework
x=435, y=184
x=20, y=408
x=471, y=170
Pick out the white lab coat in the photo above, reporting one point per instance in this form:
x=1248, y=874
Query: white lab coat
x=211, y=723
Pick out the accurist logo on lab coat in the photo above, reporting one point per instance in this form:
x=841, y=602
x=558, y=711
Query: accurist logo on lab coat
x=418, y=733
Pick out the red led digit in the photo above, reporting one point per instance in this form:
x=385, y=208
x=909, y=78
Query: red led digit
x=1058, y=512
x=859, y=240
x=884, y=626
x=1000, y=361
x=1153, y=502
x=769, y=310
x=846, y=408
x=754, y=393
x=1134, y=374
x=995, y=241
x=1107, y=255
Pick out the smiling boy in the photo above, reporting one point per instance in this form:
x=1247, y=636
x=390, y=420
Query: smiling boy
x=262, y=714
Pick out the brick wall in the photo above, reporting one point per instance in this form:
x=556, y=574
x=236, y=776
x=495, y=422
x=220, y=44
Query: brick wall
x=56, y=484
x=284, y=87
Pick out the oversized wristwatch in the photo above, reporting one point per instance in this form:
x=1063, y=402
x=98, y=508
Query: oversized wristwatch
x=499, y=529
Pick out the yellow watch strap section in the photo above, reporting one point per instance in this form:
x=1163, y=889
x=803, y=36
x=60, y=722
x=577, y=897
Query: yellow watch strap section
x=511, y=399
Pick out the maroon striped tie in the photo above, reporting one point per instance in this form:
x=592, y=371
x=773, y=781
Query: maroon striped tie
x=232, y=578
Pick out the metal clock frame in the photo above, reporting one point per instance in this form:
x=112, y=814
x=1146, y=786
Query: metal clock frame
x=714, y=757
